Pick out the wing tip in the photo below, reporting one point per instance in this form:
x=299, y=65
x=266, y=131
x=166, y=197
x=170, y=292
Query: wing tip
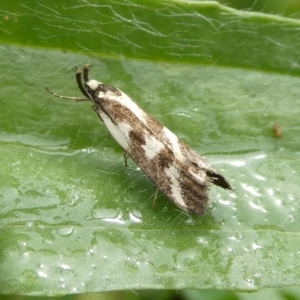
x=220, y=180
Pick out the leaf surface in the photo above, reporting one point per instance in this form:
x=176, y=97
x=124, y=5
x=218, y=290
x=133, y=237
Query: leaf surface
x=74, y=219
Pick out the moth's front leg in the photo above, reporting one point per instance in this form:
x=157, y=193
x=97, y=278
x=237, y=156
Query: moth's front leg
x=126, y=156
x=97, y=112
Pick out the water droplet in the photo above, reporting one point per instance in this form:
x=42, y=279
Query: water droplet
x=30, y=225
x=189, y=221
x=135, y=216
x=252, y=190
x=256, y=246
x=42, y=274
x=65, y=231
x=203, y=241
x=47, y=242
x=104, y=213
x=131, y=267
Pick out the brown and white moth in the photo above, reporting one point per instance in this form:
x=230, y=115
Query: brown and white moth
x=175, y=168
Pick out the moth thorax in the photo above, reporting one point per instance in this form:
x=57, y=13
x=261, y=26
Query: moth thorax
x=93, y=84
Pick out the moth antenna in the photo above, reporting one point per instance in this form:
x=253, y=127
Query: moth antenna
x=79, y=82
x=86, y=72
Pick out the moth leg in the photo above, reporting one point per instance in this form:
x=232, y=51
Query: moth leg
x=108, y=133
x=155, y=198
x=67, y=97
x=126, y=156
x=96, y=112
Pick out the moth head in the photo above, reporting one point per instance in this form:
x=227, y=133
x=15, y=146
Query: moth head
x=92, y=85
x=96, y=89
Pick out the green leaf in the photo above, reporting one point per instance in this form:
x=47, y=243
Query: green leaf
x=74, y=219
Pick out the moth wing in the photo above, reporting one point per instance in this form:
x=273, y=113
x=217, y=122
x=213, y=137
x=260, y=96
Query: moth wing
x=196, y=166
x=194, y=160
x=179, y=172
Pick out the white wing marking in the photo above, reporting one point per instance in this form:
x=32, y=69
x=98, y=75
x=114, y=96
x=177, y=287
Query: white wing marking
x=173, y=139
x=120, y=132
x=174, y=176
x=152, y=147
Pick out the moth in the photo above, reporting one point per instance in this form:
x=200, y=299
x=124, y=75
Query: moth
x=175, y=168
